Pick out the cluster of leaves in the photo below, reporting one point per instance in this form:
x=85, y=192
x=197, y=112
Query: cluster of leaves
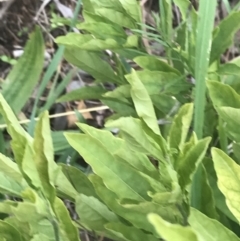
x=148, y=182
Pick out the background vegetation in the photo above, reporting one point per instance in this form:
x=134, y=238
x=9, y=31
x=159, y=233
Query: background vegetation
x=119, y=120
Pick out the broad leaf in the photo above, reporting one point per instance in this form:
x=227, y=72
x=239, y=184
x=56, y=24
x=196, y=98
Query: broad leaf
x=20, y=82
x=142, y=101
x=225, y=33
x=228, y=174
x=231, y=117
x=154, y=64
x=137, y=219
x=210, y=229
x=170, y=231
x=118, y=176
x=187, y=163
x=79, y=180
x=92, y=63
x=93, y=92
x=132, y=131
x=93, y=213
x=223, y=95
x=180, y=127
x=67, y=228
x=8, y=232
x=128, y=233
x=44, y=157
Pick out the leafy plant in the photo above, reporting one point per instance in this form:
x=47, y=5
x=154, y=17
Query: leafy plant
x=156, y=179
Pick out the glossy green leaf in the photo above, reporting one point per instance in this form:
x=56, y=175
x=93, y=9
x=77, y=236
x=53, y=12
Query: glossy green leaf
x=142, y=102
x=223, y=95
x=93, y=213
x=67, y=229
x=172, y=232
x=93, y=92
x=25, y=74
x=225, y=33
x=228, y=174
x=180, y=127
x=210, y=229
x=113, y=172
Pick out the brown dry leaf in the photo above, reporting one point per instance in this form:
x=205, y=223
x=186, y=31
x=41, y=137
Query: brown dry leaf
x=72, y=119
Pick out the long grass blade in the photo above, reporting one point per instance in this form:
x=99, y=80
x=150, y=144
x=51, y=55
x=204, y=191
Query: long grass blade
x=203, y=45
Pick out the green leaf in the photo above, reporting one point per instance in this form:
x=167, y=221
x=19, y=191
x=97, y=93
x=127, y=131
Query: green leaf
x=84, y=93
x=10, y=169
x=21, y=145
x=92, y=63
x=138, y=219
x=90, y=43
x=44, y=157
x=225, y=33
x=118, y=176
x=142, y=102
x=223, y=95
x=132, y=7
x=103, y=30
x=229, y=69
x=120, y=106
x=132, y=131
x=207, y=202
x=228, y=174
x=10, y=186
x=67, y=228
x=128, y=233
x=170, y=231
x=187, y=163
x=33, y=205
x=231, y=116
x=93, y=213
x=106, y=138
x=25, y=74
x=210, y=229
x=180, y=127
x=79, y=180
x=115, y=12
x=8, y=232
x=154, y=64
x=168, y=211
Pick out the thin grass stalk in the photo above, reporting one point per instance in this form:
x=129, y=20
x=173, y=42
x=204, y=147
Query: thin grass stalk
x=203, y=46
x=51, y=69
x=166, y=24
